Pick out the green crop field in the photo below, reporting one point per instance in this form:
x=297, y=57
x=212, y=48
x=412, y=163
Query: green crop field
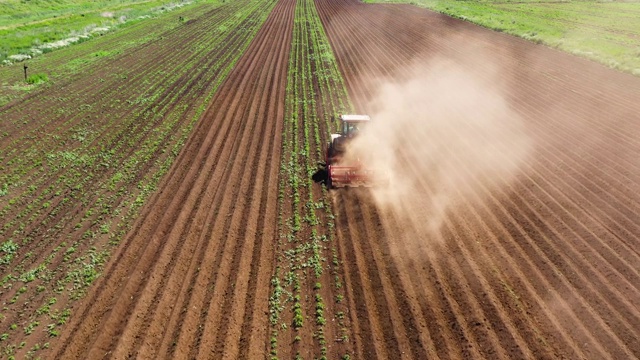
x=28, y=28
x=607, y=32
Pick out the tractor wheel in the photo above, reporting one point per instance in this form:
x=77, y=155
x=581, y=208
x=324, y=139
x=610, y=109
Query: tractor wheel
x=329, y=152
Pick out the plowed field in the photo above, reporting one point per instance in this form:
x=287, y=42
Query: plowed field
x=534, y=253
x=192, y=279
x=509, y=228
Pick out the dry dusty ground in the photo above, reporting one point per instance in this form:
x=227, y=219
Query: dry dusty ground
x=512, y=227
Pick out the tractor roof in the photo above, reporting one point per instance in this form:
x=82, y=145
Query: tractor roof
x=348, y=118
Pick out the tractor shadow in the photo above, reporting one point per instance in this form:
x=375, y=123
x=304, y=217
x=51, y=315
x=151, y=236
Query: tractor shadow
x=320, y=176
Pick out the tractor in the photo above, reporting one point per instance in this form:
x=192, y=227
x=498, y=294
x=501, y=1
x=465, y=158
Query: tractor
x=343, y=168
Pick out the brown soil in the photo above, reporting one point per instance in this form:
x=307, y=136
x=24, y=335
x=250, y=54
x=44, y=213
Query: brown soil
x=66, y=217
x=542, y=264
x=192, y=278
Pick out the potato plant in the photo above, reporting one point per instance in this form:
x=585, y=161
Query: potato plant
x=81, y=158
x=303, y=282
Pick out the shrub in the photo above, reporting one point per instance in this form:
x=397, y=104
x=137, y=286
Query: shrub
x=37, y=79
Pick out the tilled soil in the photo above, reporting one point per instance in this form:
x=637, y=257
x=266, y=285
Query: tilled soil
x=191, y=280
x=542, y=264
x=80, y=154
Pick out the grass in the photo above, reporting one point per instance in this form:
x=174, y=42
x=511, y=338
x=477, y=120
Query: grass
x=607, y=32
x=81, y=58
x=29, y=28
x=37, y=79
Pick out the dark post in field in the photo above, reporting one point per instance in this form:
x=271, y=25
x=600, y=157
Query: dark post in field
x=25, y=72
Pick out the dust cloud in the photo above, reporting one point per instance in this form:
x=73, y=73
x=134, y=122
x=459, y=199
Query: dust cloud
x=439, y=137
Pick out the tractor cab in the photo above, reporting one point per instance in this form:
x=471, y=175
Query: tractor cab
x=350, y=127
x=352, y=124
x=343, y=171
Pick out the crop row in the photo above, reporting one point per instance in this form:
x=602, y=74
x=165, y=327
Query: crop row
x=72, y=63
x=307, y=313
x=74, y=179
x=31, y=29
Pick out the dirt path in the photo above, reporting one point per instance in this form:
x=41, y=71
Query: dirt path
x=535, y=261
x=191, y=279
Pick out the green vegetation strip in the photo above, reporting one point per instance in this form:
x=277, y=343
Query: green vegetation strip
x=69, y=62
x=74, y=177
x=607, y=32
x=29, y=28
x=304, y=278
